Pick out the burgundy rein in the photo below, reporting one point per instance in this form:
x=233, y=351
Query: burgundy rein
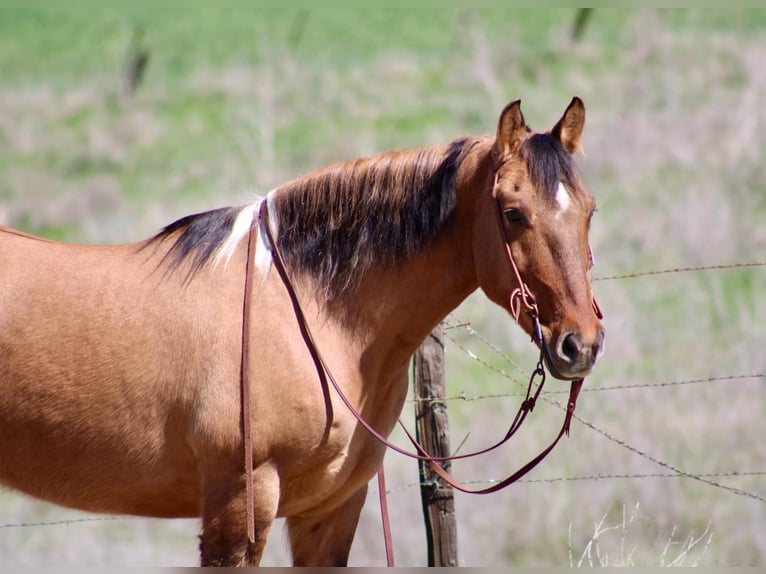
x=521, y=299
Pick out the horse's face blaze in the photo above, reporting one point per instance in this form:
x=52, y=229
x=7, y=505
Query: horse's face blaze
x=546, y=213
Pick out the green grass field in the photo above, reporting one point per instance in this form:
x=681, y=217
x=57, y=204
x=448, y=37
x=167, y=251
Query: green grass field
x=235, y=101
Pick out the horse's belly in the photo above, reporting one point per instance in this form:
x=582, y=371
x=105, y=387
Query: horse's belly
x=90, y=412
x=100, y=459
x=97, y=480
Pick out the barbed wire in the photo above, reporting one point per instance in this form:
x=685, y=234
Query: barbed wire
x=595, y=477
x=488, y=481
x=667, y=465
x=464, y=396
x=547, y=398
x=65, y=522
x=681, y=270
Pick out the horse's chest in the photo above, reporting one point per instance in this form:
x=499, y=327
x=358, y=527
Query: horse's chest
x=322, y=478
x=329, y=459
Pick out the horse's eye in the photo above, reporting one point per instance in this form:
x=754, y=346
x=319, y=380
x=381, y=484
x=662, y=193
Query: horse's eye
x=515, y=217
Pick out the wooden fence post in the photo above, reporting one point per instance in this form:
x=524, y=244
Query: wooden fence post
x=432, y=428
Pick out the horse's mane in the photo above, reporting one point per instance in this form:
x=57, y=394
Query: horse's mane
x=196, y=238
x=336, y=223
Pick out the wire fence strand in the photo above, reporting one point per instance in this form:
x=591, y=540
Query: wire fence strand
x=465, y=396
x=64, y=522
x=547, y=398
x=681, y=270
x=589, y=477
x=667, y=465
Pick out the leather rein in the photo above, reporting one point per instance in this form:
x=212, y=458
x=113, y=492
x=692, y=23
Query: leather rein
x=521, y=299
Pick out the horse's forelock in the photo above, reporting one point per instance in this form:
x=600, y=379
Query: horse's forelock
x=548, y=164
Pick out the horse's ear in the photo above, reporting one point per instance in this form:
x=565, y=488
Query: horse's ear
x=569, y=128
x=511, y=129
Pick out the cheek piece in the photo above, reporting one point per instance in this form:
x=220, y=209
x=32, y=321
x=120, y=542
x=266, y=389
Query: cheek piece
x=596, y=308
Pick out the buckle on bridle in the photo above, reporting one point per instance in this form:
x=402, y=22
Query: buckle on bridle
x=522, y=297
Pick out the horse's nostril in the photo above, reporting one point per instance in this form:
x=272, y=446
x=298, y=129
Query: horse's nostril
x=570, y=347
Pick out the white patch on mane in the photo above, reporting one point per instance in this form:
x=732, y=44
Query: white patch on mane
x=563, y=199
x=263, y=251
x=239, y=231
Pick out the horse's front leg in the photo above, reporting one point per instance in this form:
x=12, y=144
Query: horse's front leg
x=224, y=539
x=326, y=540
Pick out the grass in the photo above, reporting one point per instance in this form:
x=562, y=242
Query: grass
x=616, y=545
x=234, y=103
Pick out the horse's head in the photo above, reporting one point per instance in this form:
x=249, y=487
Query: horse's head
x=535, y=216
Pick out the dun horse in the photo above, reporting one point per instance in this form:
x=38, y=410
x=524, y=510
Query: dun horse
x=120, y=365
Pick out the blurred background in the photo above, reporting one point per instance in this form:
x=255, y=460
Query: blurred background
x=115, y=122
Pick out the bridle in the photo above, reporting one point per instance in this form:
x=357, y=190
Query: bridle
x=521, y=299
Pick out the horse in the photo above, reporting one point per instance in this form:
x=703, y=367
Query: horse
x=120, y=365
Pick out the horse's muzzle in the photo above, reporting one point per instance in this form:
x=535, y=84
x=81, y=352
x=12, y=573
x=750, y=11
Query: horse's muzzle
x=572, y=355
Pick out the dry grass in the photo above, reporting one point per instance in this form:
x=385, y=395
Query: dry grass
x=615, y=545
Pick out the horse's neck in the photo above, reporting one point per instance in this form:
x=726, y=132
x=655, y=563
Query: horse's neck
x=393, y=310
x=399, y=306
x=393, y=307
